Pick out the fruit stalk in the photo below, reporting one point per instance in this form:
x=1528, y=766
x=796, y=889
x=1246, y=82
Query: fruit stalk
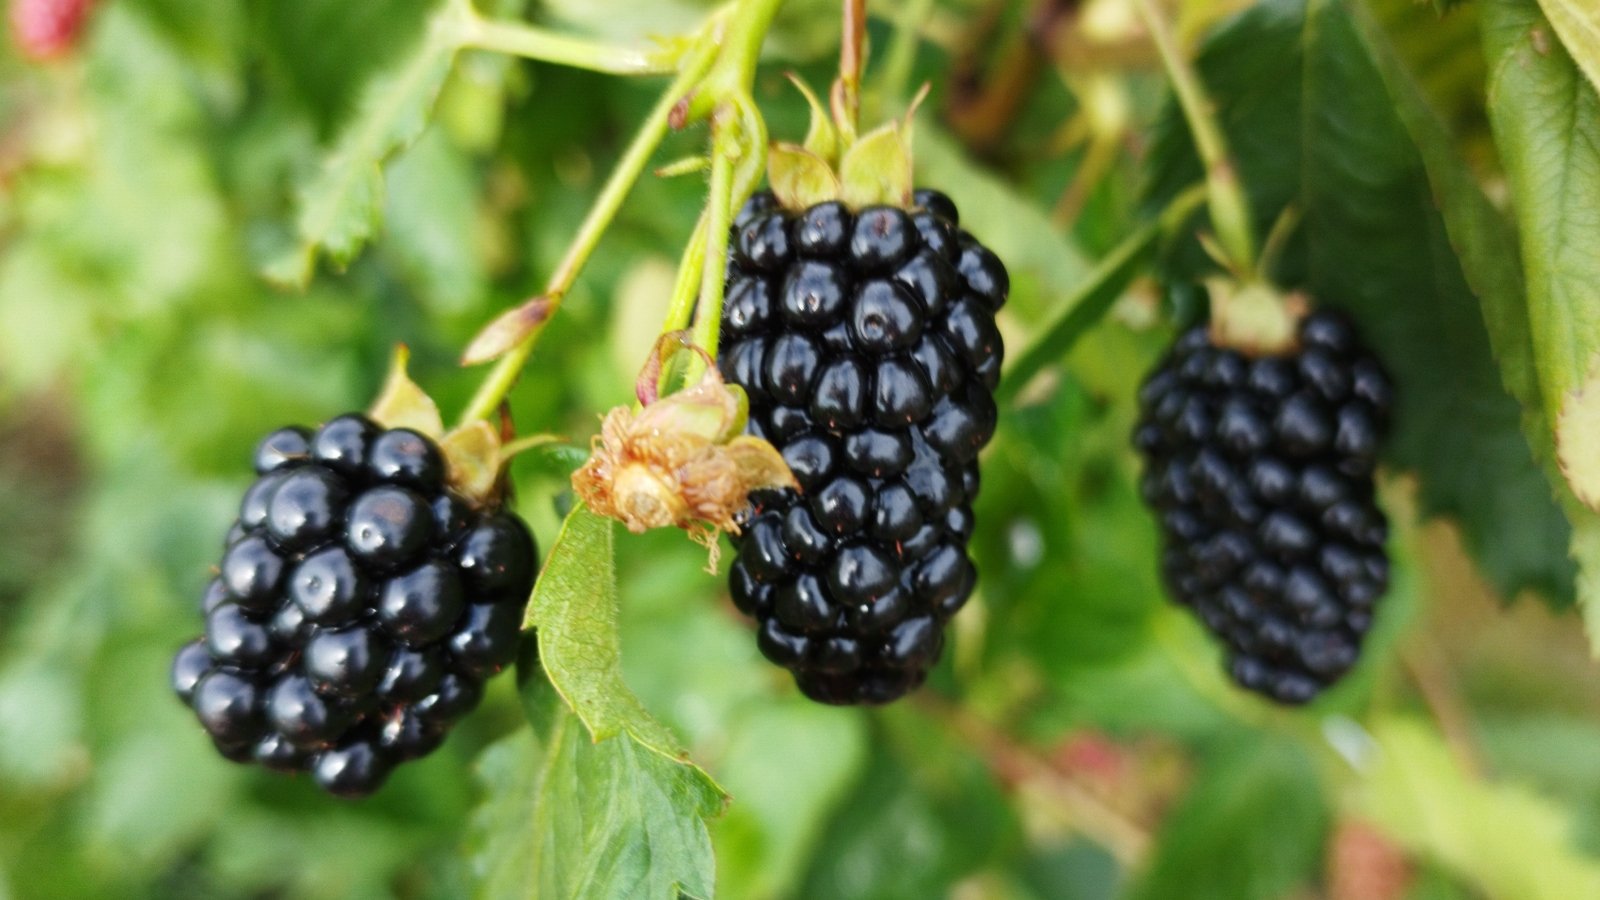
x=1230, y=212
x=629, y=168
x=852, y=54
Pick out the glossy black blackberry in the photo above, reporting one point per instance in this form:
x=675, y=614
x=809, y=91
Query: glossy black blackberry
x=1261, y=472
x=867, y=344
x=357, y=610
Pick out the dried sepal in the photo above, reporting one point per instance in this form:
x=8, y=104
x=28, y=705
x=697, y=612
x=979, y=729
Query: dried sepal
x=402, y=403
x=681, y=460
x=474, y=460
x=510, y=328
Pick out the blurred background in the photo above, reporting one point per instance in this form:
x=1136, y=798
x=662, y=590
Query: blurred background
x=1078, y=742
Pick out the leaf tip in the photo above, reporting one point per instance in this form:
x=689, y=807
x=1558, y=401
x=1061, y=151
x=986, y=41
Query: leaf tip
x=1578, y=441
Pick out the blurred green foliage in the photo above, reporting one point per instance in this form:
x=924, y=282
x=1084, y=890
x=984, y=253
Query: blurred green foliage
x=1079, y=742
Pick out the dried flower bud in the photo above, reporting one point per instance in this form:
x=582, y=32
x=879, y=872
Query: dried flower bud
x=681, y=460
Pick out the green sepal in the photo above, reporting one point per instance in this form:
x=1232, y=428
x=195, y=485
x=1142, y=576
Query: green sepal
x=877, y=169
x=822, y=137
x=800, y=178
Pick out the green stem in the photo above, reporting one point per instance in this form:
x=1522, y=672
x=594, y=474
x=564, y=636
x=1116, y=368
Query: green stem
x=633, y=163
x=680, y=311
x=735, y=70
x=1095, y=296
x=719, y=218
x=1230, y=212
x=521, y=39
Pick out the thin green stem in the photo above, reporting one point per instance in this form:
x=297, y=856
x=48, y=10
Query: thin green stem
x=719, y=217
x=633, y=163
x=1090, y=301
x=1230, y=212
x=735, y=70
x=680, y=311
x=522, y=39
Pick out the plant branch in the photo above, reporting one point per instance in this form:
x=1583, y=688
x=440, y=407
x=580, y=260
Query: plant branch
x=633, y=163
x=1230, y=212
x=521, y=39
x=730, y=142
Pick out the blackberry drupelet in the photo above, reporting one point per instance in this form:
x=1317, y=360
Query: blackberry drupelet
x=1261, y=471
x=359, y=606
x=867, y=344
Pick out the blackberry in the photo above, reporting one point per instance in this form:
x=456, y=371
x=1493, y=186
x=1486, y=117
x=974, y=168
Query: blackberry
x=867, y=344
x=358, y=607
x=1261, y=473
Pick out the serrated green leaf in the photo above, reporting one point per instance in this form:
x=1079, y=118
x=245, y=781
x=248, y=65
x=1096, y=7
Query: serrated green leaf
x=1546, y=119
x=341, y=206
x=1256, y=800
x=571, y=818
x=574, y=608
x=1311, y=125
x=1547, y=124
x=1508, y=841
x=1491, y=260
x=1578, y=24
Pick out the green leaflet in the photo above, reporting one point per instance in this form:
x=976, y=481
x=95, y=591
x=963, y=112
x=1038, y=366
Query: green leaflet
x=598, y=800
x=341, y=207
x=1546, y=119
x=1311, y=125
x=1510, y=842
x=574, y=607
x=1490, y=258
x=572, y=818
x=1578, y=23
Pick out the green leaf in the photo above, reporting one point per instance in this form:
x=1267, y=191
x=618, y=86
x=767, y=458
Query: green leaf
x=574, y=608
x=341, y=206
x=1258, y=800
x=1547, y=125
x=1310, y=122
x=1508, y=841
x=571, y=818
x=1546, y=119
x=1578, y=24
x=1491, y=260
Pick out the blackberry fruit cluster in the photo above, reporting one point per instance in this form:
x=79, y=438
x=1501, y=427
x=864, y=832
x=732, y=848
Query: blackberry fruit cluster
x=1261, y=471
x=358, y=608
x=867, y=344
